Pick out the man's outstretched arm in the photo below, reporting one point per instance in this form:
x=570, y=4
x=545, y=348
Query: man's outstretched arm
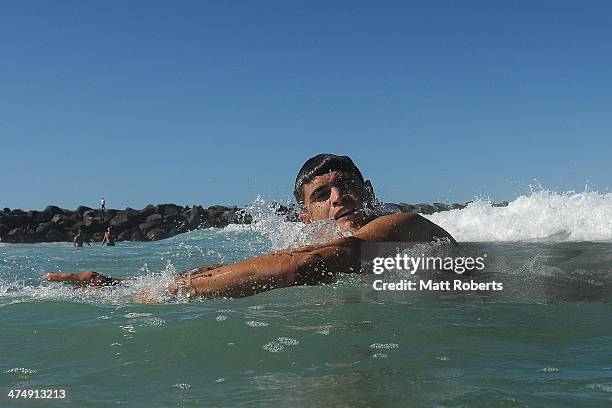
x=307, y=265
x=304, y=266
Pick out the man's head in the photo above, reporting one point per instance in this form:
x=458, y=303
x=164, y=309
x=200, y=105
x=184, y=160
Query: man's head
x=332, y=187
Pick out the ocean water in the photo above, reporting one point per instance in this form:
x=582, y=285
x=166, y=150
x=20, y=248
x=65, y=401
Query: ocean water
x=545, y=340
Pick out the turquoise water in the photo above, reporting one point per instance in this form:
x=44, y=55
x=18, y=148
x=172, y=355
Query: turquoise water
x=545, y=340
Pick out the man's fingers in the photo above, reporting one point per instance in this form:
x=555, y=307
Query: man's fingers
x=79, y=277
x=56, y=276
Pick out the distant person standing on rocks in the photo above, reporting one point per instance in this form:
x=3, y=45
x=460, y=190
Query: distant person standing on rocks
x=103, y=204
x=108, y=239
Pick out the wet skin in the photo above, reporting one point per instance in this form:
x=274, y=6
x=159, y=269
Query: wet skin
x=335, y=195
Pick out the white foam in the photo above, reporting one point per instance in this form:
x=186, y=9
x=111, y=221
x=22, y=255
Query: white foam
x=288, y=341
x=153, y=284
x=273, y=347
x=542, y=215
x=254, y=323
x=284, y=234
x=384, y=346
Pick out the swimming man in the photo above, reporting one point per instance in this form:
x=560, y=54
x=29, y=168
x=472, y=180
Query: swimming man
x=327, y=187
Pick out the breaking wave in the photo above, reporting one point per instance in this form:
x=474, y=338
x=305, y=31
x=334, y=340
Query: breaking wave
x=542, y=215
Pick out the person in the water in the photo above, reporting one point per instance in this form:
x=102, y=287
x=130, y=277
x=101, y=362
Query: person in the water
x=109, y=239
x=327, y=187
x=80, y=238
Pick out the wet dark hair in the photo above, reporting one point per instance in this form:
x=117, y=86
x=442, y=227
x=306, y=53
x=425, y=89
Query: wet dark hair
x=319, y=165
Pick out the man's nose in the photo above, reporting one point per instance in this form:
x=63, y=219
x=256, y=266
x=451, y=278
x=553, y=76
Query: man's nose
x=336, y=196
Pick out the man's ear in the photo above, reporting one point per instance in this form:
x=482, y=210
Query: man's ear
x=305, y=218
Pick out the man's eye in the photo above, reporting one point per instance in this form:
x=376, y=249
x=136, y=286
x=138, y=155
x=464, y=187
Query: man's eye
x=321, y=195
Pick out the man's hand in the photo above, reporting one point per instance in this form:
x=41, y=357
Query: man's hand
x=79, y=278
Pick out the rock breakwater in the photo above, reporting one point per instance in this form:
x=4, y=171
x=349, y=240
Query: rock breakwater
x=152, y=223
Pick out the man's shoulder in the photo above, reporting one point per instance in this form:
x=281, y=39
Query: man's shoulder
x=402, y=227
x=395, y=219
x=382, y=227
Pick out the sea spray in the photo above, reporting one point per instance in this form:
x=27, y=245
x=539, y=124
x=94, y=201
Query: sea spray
x=283, y=234
x=542, y=215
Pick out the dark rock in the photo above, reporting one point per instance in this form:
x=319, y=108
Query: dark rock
x=148, y=210
x=54, y=235
x=154, y=219
x=156, y=234
x=106, y=216
x=44, y=227
x=145, y=228
x=81, y=210
x=136, y=235
x=180, y=228
x=243, y=217
x=123, y=220
x=130, y=218
x=232, y=215
x=280, y=209
x=217, y=216
x=70, y=234
x=89, y=217
x=406, y=208
x=63, y=220
x=150, y=223
x=169, y=210
x=502, y=204
x=195, y=216
x=16, y=235
x=16, y=220
x=91, y=223
x=36, y=216
x=424, y=208
x=130, y=210
x=440, y=207
x=173, y=220
x=124, y=236
x=50, y=211
x=76, y=226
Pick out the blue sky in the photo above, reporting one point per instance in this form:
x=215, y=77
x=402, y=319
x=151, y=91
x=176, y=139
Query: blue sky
x=216, y=102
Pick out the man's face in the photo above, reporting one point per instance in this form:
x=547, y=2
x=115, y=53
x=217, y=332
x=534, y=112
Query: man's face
x=336, y=195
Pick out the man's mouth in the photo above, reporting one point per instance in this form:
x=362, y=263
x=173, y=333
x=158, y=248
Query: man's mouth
x=344, y=213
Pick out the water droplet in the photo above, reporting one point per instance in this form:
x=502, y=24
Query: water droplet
x=384, y=346
x=273, y=347
x=254, y=323
x=288, y=341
